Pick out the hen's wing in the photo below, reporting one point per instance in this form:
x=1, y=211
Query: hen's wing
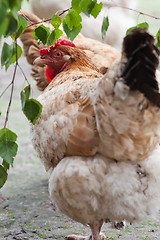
x=67, y=125
x=127, y=108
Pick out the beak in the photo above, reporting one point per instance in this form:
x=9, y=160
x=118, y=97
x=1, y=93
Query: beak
x=39, y=62
x=66, y=58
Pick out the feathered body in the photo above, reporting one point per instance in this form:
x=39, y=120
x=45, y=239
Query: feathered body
x=117, y=122
x=89, y=189
x=97, y=134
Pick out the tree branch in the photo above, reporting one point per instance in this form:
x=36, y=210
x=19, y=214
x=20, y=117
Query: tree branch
x=12, y=83
x=23, y=74
x=108, y=4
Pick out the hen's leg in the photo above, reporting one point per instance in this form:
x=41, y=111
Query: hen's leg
x=96, y=228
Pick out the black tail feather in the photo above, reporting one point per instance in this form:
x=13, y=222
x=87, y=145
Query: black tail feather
x=142, y=61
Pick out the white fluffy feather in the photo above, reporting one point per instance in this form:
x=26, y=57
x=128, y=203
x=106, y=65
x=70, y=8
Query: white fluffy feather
x=88, y=190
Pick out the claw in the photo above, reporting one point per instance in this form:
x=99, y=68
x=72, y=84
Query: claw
x=76, y=237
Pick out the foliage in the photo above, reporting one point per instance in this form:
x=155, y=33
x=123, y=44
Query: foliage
x=9, y=52
x=71, y=24
x=158, y=38
x=13, y=25
x=105, y=26
x=8, y=150
x=140, y=25
x=31, y=107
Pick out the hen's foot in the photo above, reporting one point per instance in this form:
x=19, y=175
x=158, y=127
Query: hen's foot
x=77, y=237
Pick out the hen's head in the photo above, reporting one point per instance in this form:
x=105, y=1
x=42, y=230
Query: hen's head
x=56, y=58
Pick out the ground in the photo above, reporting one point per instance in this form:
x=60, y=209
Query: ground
x=26, y=211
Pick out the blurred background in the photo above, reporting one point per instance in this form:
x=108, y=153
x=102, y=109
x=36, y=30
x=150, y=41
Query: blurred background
x=120, y=19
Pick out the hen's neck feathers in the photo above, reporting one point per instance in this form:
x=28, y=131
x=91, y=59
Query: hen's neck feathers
x=140, y=58
x=79, y=59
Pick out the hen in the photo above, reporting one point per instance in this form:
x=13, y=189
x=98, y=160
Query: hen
x=97, y=134
x=102, y=55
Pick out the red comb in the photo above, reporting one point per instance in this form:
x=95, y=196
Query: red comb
x=58, y=43
x=42, y=51
x=62, y=42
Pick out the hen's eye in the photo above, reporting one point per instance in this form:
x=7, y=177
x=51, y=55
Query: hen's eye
x=43, y=57
x=58, y=54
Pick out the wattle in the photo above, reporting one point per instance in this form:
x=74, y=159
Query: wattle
x=50, y=73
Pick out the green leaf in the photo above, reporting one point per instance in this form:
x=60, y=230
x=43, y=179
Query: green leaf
x=15, y=6
x=71, y=33
x=54, y=36
x=105, y=26
x=85, y=5
x=42, y=33
x=8, y=146
x=76, y=5
x=12, y=3
x=90, y=8
x=13, y=57
x=3, y=10
x=140, y=25
x=6, y=134
x=30, y=107
x=4, y=27
x=3, y=176
x=6, y=54
x=32, y=110
x=56, y=21
x=22, y=24
x=96, y=10
x=158, y=38
x=73, y=19
x=12, y=25
x=5, y=165
x=25, y=95
x=143, y=25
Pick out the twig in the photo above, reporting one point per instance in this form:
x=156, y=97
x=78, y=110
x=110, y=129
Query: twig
x=5, y=89
x=28, y=20
x=45, y=20
x=12, y=83
x=23, y=74
x=110, y=4
x=64, y=11
x=35, y=23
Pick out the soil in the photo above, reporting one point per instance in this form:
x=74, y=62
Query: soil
x=26, y=211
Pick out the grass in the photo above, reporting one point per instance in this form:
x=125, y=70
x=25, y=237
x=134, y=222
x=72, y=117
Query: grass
x=146, y=238
x=152, y=223
x=67, y=227
x=128, y=229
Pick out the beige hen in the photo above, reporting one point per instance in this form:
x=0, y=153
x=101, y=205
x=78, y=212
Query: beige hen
x=101, y=55
x=96, y=133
